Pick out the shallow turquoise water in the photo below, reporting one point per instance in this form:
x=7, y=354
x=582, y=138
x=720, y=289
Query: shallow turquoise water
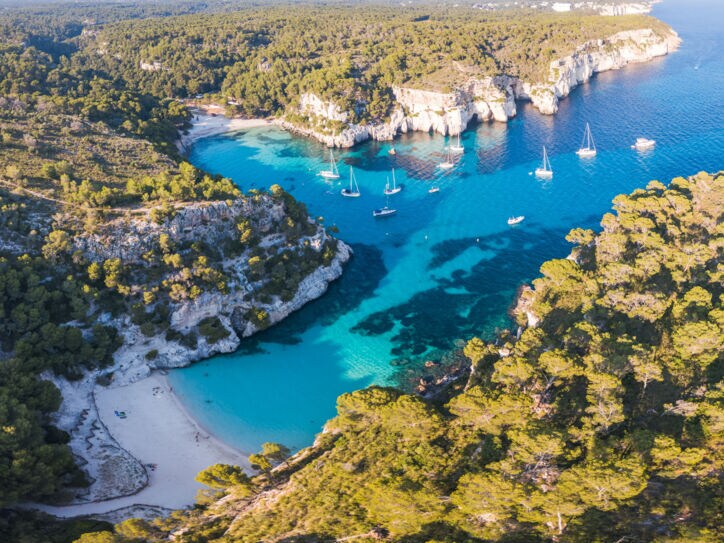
x=447, y=266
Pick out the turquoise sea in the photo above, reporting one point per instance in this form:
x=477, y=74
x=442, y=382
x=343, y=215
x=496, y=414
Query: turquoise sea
x=447, y=266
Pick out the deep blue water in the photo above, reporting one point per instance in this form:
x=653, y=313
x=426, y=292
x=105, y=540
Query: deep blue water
x=447, y=266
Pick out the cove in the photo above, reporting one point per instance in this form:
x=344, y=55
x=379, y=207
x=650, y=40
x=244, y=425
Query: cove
x=447, y=266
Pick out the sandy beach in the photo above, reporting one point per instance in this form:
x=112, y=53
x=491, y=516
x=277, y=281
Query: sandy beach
x=161, y=435
x=207, y=123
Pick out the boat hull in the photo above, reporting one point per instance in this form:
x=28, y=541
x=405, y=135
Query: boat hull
x=381, y=213
x=349, y=194
x=329, y=175
x=390, y=192
x=586, y=153
x=543, y=174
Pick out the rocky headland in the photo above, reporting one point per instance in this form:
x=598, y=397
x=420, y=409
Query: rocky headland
x=481, y=99
x=112, y=471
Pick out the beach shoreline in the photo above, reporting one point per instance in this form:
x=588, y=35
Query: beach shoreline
x=209, y=122
x=149, y=421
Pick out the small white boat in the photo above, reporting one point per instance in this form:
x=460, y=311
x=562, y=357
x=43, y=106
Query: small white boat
x=458, y=147
x=516, y=220
x=433, y=190
x=353, y=190
x=392, y=151
x=448, y=162
x=332, y=172
x=643, y=143
x=395, y=188
x=544, y=171
x=588, y=146
x=384, y=211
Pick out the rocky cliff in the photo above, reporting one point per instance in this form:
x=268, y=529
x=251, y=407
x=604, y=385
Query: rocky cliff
x=613, y=53
x=111, y=470
x=483, y=99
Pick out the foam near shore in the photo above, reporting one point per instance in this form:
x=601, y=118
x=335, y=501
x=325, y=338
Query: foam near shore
x=212, y=122
x=158, y=432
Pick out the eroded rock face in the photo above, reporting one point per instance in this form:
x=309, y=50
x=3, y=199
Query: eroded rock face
x=417, y=110
x=486, y=99
x=613, y=53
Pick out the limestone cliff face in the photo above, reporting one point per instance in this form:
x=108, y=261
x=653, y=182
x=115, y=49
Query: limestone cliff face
x=613, y=53
x=212, y=223
x=483, y=99
x=415, y=110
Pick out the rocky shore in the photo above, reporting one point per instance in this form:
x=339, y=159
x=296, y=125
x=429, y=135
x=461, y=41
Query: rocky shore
x=112, y=470
x=486, y=99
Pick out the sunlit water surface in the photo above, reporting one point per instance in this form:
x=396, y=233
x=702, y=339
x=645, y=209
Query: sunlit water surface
x=447, y=266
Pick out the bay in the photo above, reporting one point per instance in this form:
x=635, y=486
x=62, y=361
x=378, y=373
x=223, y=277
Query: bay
x=447, y=266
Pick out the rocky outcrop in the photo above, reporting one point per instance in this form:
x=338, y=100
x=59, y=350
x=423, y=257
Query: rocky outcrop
x=445, y=113
x=613, y=53
x=213, y=224
x=483, y=99
x=111, y=470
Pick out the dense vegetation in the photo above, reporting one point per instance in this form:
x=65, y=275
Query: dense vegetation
x=263, y=59
x=602, y=421
x=86, y=155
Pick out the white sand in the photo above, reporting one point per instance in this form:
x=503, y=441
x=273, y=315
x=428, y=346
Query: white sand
x=205, y=125
x=158, y=431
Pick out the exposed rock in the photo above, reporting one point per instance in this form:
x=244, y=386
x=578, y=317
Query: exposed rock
x=613, y=53
x=485, y=99
x=114, y=472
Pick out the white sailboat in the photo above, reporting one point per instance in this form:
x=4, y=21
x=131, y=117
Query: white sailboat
x=353, y=190
x=458, y=147
x=448, y=162
x=332, y=172
x=588, y=146
x=384, y=211
x=544, y=171
x=395, y=188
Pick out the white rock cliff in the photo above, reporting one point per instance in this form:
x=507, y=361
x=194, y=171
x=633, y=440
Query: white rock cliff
x=485, y=99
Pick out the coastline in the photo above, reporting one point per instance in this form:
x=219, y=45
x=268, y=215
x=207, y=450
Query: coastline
x=160, y=433
x=117, y=452
x=207, y=122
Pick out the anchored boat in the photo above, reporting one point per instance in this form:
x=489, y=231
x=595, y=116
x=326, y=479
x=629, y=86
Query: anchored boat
x=395, y=188
x=384, y=211
x=544, y=171
x=448, y=162
x=458, y=147
x=353, y=190
x=643, y=143
x=516, y=220
x=588, y=146
x=332, y=172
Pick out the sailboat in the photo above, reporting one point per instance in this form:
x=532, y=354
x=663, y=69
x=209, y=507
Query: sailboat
x=384, y=211
x=457, y=148
x=395, y=188
x=544, y=171
x=353, y=190
x=588, y=146
x=332, y=172
x=448, y=163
